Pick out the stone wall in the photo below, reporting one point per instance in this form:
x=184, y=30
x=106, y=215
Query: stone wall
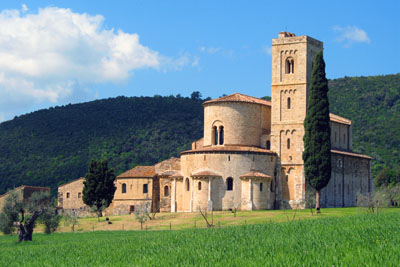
x=134, y=196
x=24, y=193
x=244, y=123
x=350, y=176
x=341, y=136
x=70, y=195
x=227, y=164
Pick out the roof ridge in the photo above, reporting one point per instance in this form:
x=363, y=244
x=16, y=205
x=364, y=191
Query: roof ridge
x=239, y=97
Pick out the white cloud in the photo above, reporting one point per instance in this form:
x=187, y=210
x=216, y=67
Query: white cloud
x=24, y=8
x=351, y=34
x=45, y=56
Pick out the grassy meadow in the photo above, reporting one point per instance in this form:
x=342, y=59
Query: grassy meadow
x=355, y=240
x=186, y=220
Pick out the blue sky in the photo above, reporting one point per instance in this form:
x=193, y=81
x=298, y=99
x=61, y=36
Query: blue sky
x=59, y=52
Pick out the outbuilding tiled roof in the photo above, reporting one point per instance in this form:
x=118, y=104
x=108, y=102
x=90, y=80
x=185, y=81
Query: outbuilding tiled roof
x=228, y=148
x=352, y=154
x=254, y=174
x=171, y=174
x=236, y=97
x=139, y=172
x=338, y=119
x=205, y=172
x=81, y=178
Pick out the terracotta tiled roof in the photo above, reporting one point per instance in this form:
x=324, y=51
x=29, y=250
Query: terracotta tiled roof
x=177, y=174
x=228, y=148
x=352, y=154
x=336, y=118
x=82, y=178
x=236, y=97
x=171, y=174
x=23, y=187
x=254, y=174
x=139, y=172
x=205, y=172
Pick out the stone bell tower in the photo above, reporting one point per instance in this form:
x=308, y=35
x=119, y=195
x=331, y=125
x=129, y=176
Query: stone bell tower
x=292, y=62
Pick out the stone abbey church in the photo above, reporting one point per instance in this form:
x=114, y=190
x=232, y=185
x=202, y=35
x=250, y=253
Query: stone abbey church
x=250, y=157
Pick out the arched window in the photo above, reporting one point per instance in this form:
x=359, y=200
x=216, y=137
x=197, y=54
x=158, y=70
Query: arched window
x=288, y=143
x=288, y=103
x=215, y=134
x=229, y=184
x=166, y=191
x=187, y=184
x=123, y=188
x=292, y=65
x=261, y=187
x=199, y=186
x=221, y=135
x=268, y=144
x=289, y=65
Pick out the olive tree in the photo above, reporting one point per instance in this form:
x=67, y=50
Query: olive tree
x=24, y=214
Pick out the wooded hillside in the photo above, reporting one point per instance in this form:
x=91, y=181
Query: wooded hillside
x=52, y=146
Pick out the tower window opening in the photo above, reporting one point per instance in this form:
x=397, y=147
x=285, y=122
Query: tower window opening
x=229, y=184
x=289, y=65
x=221, y=135
x=261, y=187
x=123, y=188
x=199, y=186
x=215, y=134
x=268, y=145
x=288, y=143
x=67, y=194
x=229, y=158
x=288, y=103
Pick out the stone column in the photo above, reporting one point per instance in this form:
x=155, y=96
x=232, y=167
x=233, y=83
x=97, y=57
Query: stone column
x=173, y=197
x=250, y=204
x=209, y=203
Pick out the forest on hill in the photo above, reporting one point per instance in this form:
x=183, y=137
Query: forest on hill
x=373, y=105
x=53, y=146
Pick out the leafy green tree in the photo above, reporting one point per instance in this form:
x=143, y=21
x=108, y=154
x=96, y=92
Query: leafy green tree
x=387, y=177
x=99, y=188
x=24, y=214
x=317, y=137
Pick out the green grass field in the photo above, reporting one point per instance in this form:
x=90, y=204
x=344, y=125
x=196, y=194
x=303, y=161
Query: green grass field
x=185, y=220
x=358, y=240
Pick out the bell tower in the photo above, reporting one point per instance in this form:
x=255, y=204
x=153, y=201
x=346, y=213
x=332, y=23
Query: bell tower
x=292, y=62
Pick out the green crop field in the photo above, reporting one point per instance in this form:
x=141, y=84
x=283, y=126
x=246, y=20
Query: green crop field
x=359, y=240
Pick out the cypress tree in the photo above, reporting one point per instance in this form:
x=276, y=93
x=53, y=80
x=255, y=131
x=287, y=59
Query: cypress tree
x=98, y=190
x=317, y=137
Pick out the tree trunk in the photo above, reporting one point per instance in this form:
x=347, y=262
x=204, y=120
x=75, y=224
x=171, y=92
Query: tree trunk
x=21, y=232
x=317, y=202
